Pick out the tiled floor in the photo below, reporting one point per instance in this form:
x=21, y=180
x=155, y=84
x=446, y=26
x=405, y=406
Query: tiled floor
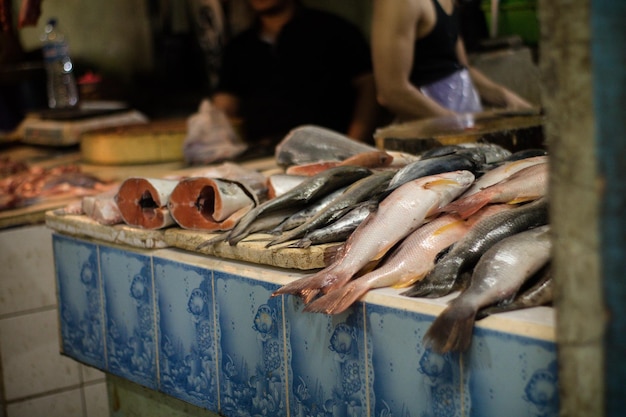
x=37, y=379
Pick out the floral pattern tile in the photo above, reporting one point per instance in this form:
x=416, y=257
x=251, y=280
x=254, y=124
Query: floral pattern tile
x=130, y=315
x=211, y=334
x=186, y=332
x=251, y=347
x=327, y=357
x=409, y=380
x=511, y=375
x=80, y=300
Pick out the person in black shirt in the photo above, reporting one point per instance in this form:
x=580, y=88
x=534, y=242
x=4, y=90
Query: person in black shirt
x=420, y=65
x=296, y=66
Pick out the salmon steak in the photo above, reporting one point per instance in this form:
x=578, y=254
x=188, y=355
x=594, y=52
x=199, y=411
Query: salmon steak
x=210, y=204
x=142, y=202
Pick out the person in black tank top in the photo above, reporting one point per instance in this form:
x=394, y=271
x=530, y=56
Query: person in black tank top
x=427, y=74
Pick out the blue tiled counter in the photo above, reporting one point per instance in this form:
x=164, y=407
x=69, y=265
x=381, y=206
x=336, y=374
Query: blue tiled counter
x=206, y=331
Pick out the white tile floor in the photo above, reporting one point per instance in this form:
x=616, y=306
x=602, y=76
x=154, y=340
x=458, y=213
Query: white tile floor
x=38, y=380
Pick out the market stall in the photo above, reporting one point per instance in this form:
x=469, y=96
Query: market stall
x=202, y=323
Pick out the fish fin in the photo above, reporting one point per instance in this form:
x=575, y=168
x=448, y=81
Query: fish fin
x=448, y=226
x=285, y=237
x=302, y=243
x=308, y=294
x=519, y=200
x=439, y=182
x=306, y=287
x=452, y=330
x=404, y=283
x=467, y=206
x=332, y=253
x=337, y=301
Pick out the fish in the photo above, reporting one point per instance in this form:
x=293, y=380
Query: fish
x=251, y=178
x=401, y=159
x=210, y=204
x=502, y=172
x=432, y=166
x=462, y=257
x=491, y=152
x=279, y=184
x=143, y=202
x=526, y=153
x=310, y=190
x=398, y=214
x=488, y=153
x=369, y=159
x=540, y=293
x=410, y=262
x=527, y=184
x=311, y=143
x=367, y=188
x=498, y=275
x=102, y=208
x=340, y=229
x=259, y=225
x=301, y=216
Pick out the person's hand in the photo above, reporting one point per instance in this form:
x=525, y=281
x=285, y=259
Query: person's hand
x=514, y=102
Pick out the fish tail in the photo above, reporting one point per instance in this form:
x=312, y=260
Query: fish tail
x=337, y=301
x=467, y=206
x=452, y=330
x=282, y=239
x=308, y=294
x=306, y=287
x=302, y=243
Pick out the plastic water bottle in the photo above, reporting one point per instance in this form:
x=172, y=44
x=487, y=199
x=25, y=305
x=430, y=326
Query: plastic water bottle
x=62, y=88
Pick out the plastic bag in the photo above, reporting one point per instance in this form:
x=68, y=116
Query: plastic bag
x=210, y=137
x=455, y=92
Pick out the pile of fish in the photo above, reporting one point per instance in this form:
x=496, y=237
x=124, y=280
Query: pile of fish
x=470, y=219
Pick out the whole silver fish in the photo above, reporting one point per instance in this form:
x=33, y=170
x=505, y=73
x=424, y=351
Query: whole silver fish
x=370, y=187
x=441, y=280
x=340, y=229
x=432, y=166
x=310, y=143
x=302, y=216
x=259, y=225
x=301, y=195
x=539, y=294
x=399, y=214
x=527, y=184
x=412, y=259
x=502, y=172
x=498, y=275
x=487, y=153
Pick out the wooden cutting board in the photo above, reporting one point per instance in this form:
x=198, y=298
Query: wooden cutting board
x=513, y=130
x=250, y=250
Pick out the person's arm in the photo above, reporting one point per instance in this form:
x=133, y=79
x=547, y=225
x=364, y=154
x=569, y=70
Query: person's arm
x=393, y=35
x=365, y=113
x=490, y=91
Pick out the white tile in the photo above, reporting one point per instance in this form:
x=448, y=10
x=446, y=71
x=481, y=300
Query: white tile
x=63, y=404
x=31, y=361
x=92, y=374
x=96, y=400
x=27, y=274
